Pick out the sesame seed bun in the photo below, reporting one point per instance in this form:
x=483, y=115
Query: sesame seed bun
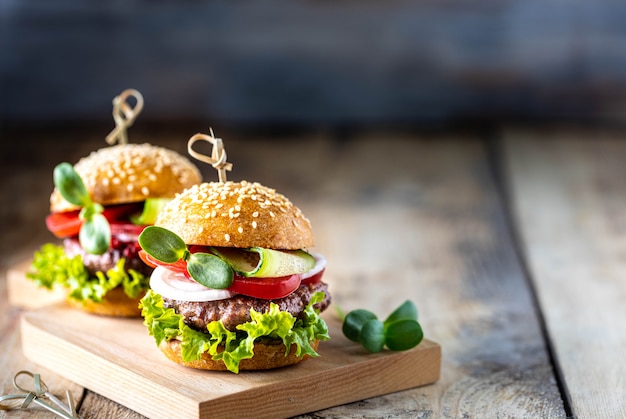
x=236, y=214
x=128, y=173
x=266, y=356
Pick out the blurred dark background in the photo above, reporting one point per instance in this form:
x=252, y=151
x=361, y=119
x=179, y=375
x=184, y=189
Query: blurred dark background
x=314, y=63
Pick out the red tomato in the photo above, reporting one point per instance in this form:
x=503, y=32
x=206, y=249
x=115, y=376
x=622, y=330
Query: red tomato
x=67, y=224
x=313, y=279
x=266, y=288
x=64, y=224
x=180, y=266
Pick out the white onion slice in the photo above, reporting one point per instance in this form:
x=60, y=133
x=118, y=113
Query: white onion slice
x=319, y=266
x=177, y=286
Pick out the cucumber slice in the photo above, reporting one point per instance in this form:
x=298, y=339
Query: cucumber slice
x=266, y=263
x=151, y=208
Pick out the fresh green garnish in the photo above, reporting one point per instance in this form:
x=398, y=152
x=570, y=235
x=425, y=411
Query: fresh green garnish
x=167, y=247
x=209, y=270
x=51, y=266
x=151, y=208
x=95, y=233
x=399, y=332
x=232, y=347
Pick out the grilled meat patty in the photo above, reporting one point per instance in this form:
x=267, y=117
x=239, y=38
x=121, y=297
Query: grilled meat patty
x=236, y=310
x=119, y=249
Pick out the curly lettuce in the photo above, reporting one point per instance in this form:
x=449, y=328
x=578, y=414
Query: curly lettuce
x=165, y=324
x=51, y=267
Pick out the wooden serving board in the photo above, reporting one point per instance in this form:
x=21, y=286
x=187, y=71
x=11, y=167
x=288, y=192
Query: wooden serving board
x=118, y=359
x=23, y=292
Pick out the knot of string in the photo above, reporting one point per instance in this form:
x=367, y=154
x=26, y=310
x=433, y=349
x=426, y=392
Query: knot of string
x=124, y=115
x=218, y=154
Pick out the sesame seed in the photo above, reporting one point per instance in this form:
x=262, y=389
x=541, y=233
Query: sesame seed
x=255, y=214
x=240, y=229
x=227, y=237
x=254, y=224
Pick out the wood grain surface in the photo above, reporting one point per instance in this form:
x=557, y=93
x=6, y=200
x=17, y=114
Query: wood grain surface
x=117, y=358
x=569, y=189
x=421, y=216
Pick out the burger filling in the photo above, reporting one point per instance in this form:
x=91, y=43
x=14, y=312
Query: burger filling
x=89, y=276
x=231, y=347
x=52, y=267
x=226, y=322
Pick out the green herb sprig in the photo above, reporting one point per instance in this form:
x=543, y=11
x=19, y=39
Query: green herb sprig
x=399, y=332
x=95, y=232
x=167, y=247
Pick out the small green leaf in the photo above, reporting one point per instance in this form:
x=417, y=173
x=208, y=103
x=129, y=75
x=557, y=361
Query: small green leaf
x=210, y=271
x=407, y=311
x=95, y=235
x=70, y=185
x=403, y=334
x=354, y=321
x=162, y=244
x=373, y=335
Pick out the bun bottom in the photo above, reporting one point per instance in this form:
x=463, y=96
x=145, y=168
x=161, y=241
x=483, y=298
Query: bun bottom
x=266, y=356
x=115, y=304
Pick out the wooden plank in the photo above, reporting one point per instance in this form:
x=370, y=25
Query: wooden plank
x=111, y=356
x=569, y=192
x=403, y=217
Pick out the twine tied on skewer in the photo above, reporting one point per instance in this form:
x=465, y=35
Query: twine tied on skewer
x=38, y=395
x=124, y=115
x=218, y=154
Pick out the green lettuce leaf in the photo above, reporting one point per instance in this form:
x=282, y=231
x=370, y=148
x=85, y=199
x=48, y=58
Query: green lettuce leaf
x=51, y=266
x=232, y=347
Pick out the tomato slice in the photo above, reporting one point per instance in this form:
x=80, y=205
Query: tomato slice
x=313, y=279
x=266, y=288
x=67, y=224
x=180, y=266
x=64, y=224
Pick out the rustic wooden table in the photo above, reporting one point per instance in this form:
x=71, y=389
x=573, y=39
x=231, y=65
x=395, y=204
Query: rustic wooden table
x=512, y=243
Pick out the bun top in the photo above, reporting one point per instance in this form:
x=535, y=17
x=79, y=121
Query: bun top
x=127, y=173
x=236, y=214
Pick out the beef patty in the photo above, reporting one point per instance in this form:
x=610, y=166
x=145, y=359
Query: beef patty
x=236, y=310
x=119, y=249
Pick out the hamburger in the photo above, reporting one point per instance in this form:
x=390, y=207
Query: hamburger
x=98, y=208
x=235, y=286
